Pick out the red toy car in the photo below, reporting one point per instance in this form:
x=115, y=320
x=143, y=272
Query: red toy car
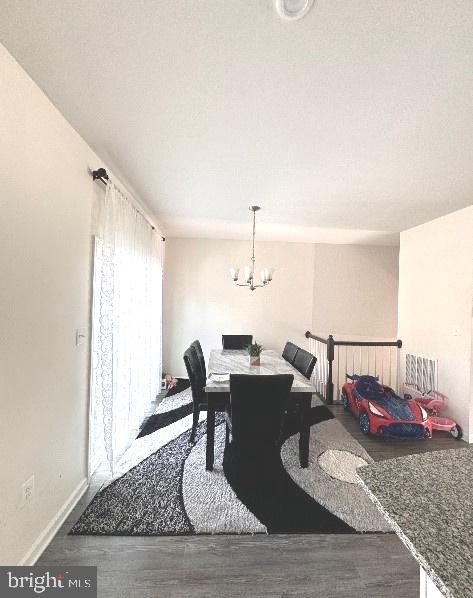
x=380, y=411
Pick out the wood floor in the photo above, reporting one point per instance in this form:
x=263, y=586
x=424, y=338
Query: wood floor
x=325, y=566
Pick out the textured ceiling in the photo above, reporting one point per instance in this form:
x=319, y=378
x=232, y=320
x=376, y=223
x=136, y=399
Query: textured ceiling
x=358, y=116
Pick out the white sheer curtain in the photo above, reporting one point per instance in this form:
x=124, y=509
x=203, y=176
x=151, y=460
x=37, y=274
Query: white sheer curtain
x=126, y=325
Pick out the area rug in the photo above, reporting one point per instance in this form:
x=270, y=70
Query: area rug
x=162, y=487
x=177, y=405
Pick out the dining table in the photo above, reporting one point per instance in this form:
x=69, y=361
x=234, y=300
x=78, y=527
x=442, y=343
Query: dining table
x=223, y=362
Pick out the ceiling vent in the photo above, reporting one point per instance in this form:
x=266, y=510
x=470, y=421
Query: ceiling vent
x=293, y=9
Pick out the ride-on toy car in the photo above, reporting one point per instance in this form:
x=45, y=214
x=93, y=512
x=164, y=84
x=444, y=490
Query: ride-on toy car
x=380, y=411
x=434, y=402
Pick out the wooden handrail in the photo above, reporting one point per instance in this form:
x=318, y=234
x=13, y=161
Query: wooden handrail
x=315, y=337
x=326, y=341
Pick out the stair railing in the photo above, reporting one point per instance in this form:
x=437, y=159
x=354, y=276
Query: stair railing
x=336, y=358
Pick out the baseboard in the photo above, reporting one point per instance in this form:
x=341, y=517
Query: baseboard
x=45, y=537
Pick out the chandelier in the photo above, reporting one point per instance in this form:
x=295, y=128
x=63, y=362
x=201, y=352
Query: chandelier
x=266, y=273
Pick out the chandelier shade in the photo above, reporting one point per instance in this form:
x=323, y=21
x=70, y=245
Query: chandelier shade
x=249, y=270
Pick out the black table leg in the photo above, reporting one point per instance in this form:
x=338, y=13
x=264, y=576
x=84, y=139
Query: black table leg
x=305, y=400
x=209, y=460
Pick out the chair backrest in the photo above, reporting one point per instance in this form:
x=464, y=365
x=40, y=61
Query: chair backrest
x=236, y=341
x=200, y=354
x=196, y=379
x=290, y=351
x=305, y=362
x=257, y=407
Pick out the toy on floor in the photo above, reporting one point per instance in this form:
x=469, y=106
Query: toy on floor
x=433, y=402
x=380, y=411
x=171, y=382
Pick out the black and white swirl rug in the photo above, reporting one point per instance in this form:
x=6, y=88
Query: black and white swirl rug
x=162, y=487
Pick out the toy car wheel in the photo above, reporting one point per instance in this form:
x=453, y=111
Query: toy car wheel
x=457, y=432
x=364, y=422
x=344, y=401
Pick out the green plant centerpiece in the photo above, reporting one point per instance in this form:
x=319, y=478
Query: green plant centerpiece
x=254, y=351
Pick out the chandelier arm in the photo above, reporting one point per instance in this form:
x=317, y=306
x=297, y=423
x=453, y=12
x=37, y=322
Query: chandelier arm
x=247, y=284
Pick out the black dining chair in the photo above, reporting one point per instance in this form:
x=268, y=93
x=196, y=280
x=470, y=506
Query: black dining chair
x=255, y=414
x=236, y=341
x=200, y=354
x=289, y=353
x=305, y=362
x=198, y=381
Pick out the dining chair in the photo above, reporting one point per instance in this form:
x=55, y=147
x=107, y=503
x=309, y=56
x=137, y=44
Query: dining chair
x=200, y=354
x=255, y=414
x=289, y=353
x=305, y=362
x=236, y=341
x=198, y=381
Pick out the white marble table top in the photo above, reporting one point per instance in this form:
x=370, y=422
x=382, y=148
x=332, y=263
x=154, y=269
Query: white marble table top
x=238, y=362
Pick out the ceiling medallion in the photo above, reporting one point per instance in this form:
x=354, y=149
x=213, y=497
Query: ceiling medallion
x=266, y=273
x=293, y=9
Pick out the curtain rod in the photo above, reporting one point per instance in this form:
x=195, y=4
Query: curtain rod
x=101, y=175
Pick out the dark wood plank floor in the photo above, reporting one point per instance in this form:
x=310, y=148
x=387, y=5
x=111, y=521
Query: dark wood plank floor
x=325, y=566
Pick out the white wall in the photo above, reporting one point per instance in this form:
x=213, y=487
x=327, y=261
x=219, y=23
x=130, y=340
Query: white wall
x=45, y=207
x=435, y=297
x=355, y=290
x=201, y=301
